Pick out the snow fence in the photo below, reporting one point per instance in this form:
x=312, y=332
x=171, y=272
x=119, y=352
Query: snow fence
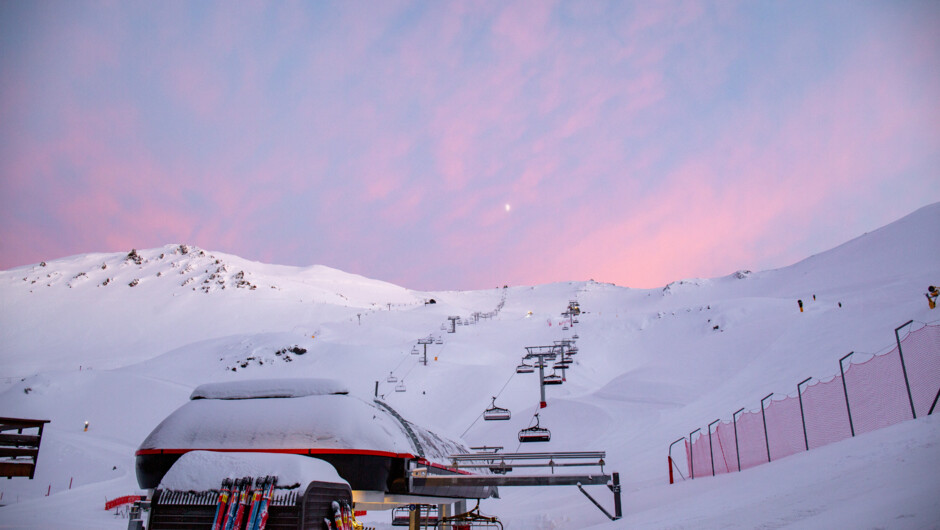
x=888, y=388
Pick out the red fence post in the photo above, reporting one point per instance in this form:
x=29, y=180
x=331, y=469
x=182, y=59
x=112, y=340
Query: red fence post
x=670, y=461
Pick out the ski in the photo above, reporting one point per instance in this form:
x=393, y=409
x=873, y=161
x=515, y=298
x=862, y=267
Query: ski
x=266, y=501
x=256, y=495
x=338, y=516
x=231, y=506
x=242, y=502
x=222, y=505
x=234, y=502
x=347, y=515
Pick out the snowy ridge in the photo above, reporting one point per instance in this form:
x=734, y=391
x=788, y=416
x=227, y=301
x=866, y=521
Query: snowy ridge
x=652, y=366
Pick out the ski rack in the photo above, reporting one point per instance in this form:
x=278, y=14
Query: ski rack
x=502, y=463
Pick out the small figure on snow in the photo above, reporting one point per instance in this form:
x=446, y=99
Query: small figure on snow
x=932, y=294
x=800, y=303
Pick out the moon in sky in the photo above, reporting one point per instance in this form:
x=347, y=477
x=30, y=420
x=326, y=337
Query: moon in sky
x=508, y=207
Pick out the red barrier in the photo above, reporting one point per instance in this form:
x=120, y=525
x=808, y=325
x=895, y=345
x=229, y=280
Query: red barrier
x=127, y=499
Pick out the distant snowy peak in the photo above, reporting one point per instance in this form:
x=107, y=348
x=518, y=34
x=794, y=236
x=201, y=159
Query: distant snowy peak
x=187, y=268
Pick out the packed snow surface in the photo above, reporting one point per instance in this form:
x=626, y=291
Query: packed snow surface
x=205, y=470
x=122, y=340
x=269, y=388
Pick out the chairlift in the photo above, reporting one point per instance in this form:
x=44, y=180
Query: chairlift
x=560, y=365
x=575, y=321
x=428, y=514
x=575, y=336
x=535, y=433
x=572, y=350
x=495, y=413
x=471, y=519
x=439, y=341
x=400, y=387
x=565, y=327
x=525, y=368
x=414, y=350
x=553, y=379
x=391, y=378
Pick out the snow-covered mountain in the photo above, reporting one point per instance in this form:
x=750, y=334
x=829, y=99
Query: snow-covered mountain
x=120, y=340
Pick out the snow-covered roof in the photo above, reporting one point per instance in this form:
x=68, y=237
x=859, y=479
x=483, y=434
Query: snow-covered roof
x=317, y=421
x=269, y=388
x=205, y=470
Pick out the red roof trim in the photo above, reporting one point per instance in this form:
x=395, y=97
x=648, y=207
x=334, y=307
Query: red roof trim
x=318, y=451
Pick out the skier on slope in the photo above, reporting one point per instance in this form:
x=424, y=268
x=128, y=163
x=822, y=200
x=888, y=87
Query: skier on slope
x=932, y=294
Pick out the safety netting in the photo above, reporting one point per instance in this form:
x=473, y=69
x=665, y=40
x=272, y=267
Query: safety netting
x=871, y=395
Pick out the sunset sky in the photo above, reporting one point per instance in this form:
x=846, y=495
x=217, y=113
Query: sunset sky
x=464, y=145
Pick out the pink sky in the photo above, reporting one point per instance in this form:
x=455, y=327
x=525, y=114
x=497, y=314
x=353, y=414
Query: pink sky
x=636, y=142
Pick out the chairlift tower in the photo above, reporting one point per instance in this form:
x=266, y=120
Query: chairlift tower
x=425, y=342
x=566, y=347
x=542, y=354
x=453, y=324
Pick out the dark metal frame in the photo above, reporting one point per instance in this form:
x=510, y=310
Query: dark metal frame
x=845, y=390
x=802, y=417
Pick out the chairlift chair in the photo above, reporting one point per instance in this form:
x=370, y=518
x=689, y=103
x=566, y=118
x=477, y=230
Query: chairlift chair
x=575, y=336
x=495, y=413
x=402, y=514
x=391, y=378
x=535, y=433
x=525, y=368
x=565, y=328
x=439, y=341
x=562, y=365
x=470, y=520
x=414, y=350
x=400, y=387
x=553, y=379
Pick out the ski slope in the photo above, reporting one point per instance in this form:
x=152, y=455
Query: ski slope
x=79, y=343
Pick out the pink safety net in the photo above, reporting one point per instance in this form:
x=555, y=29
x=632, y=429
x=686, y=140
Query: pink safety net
x=725, y=455
x=784, y=428
x=827, y=419
x=877, y=395
x=922, y=357
x=701, y=460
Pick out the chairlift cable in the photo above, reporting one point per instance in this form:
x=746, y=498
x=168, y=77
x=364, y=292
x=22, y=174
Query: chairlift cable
x=481, y=414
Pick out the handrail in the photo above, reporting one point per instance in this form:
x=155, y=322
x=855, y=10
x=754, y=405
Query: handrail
x=467, y=457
